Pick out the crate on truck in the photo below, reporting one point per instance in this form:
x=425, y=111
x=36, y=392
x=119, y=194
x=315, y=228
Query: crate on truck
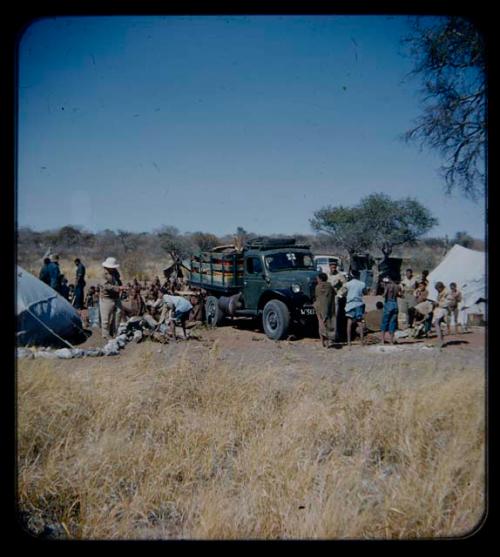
x=272, y=279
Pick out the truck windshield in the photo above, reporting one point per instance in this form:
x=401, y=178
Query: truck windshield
x=289, y=260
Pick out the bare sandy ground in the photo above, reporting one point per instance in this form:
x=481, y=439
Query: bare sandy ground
x=242, y=346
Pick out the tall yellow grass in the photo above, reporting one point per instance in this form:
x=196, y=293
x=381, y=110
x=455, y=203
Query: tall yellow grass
x=150, y=450
x=142, y=270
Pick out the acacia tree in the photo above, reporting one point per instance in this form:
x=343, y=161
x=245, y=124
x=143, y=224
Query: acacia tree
x=205, y=241
x=346, y=226
x=176, y=245
x=376, y=222
x=128, y=241
x=394, y=222
x=450, y=59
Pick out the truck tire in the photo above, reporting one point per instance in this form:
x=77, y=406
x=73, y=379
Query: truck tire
x=276, y=319
x=213, y=312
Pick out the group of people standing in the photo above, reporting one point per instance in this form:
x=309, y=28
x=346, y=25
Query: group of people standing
x=339, y=305
x=421, y=312
x=51, y=274
x=339, y=302
x=112, y=302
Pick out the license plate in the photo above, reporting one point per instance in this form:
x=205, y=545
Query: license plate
x=307, y=311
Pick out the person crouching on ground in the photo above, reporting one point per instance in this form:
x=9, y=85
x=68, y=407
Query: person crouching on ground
x=109, y=301
x=390, y=315
x=324, y=305
x=180, y=309
x=196, y=314
x=355, y=306
x=133, y=305
x=423, y=318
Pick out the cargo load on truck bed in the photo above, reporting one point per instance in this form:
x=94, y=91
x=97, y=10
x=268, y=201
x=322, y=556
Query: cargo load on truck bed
x=216, y=270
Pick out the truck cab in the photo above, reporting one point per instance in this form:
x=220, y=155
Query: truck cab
x=273, y=279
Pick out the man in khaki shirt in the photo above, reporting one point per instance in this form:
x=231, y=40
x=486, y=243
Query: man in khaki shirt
x=336, y=278
x=441, y=311
x=407, y=302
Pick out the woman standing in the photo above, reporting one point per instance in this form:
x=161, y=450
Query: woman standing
x=109, y=301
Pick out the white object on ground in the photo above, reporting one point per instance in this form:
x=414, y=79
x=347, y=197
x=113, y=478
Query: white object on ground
x=44, y=354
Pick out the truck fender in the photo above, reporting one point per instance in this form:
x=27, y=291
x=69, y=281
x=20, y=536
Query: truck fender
x=280, y=294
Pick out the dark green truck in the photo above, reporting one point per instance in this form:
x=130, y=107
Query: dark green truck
x=273, y=279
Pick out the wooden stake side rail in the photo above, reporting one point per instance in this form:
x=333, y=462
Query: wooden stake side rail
x=220, y=271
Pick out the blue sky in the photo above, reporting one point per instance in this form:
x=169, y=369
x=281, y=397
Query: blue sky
x=210, y=123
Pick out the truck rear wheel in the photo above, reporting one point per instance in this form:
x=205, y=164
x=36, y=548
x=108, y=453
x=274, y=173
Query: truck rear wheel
x=213, y=312
x=276, y=319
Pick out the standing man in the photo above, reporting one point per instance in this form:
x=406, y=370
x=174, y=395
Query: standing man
x=440, y=313
x=79, y=297
x=44, y=275
x=55, y=274
x=355, y=306
x=390, y=315
x=324, y=304
x=109, y=301
x=338, y=279
x=454, y=299
x=335, y=277
x=407, y=301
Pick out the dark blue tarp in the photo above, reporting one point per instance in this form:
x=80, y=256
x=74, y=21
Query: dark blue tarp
x=44, y=318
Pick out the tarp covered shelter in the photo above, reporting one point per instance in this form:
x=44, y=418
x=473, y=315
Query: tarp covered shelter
x=44, y=317
x=467, y=268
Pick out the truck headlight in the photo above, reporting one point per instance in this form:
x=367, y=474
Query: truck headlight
x=296, y=288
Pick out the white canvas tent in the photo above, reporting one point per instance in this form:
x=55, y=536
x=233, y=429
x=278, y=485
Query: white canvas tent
x=467, y=268
x=44, y=317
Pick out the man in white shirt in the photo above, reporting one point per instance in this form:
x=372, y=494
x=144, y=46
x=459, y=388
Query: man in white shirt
x=355, y=306
x=407, y=301
x=180, y=309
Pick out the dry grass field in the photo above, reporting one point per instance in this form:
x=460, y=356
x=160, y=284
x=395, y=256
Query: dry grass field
x=235, y=436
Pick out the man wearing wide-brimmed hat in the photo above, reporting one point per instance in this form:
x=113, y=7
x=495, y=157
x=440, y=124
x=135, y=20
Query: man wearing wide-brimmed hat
x=109, y=301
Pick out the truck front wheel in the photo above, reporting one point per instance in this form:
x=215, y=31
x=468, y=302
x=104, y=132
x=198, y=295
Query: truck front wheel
x=213, y=312
x=276, y=319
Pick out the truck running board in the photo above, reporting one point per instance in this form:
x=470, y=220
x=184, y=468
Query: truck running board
x=246, y=312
